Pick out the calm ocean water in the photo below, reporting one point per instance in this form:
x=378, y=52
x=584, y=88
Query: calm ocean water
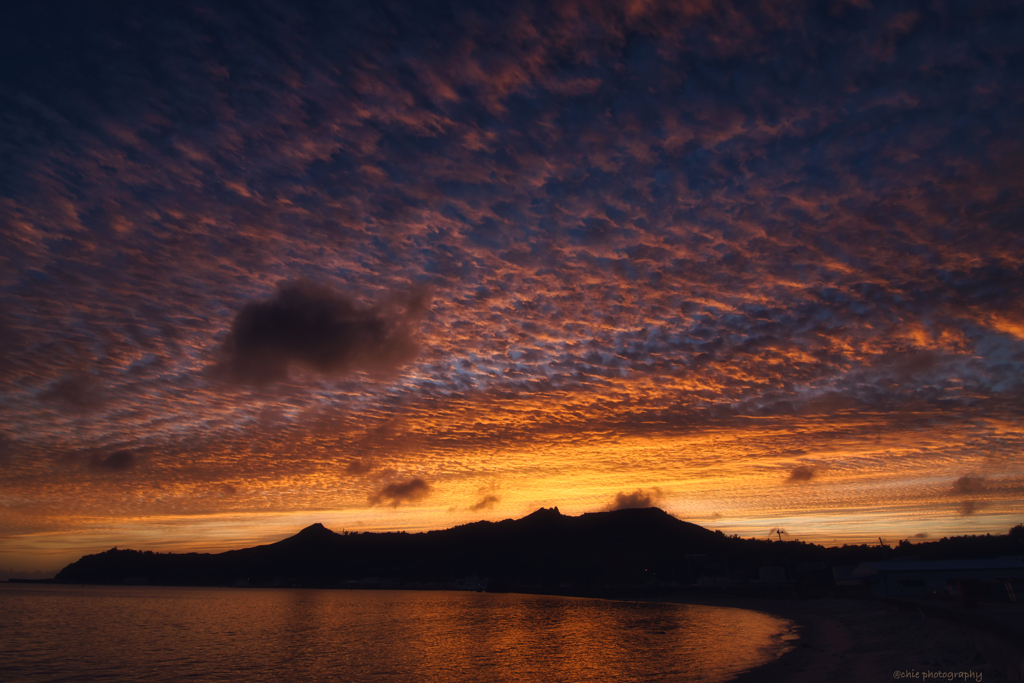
x=138, y=633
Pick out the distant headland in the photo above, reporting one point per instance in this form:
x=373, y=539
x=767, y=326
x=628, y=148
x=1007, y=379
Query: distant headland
x=546, y=551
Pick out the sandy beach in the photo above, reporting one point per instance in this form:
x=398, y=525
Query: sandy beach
x=868, y=641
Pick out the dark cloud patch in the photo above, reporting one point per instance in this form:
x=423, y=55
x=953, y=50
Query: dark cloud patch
x=79, y=393
x=967, y=485
x=10, y=340
x=401, y=492
x=641, y=498
x=359, y=466
x=321, y=330
x=6, y=449
x=485, y=503
x=921, y=534
x=118, y=461
x=365, y=448
x=227, y=490
x=904, y=366
x=802, y=473
x=970, y=507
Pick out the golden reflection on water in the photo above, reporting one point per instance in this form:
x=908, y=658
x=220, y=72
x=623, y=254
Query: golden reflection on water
x=166, y=634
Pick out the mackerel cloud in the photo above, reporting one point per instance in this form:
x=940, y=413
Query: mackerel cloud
x=635, y=220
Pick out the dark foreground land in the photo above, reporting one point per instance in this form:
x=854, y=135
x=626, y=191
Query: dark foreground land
x=846, y=640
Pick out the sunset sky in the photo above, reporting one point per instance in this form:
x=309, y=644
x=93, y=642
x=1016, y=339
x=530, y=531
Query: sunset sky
x=407, y=265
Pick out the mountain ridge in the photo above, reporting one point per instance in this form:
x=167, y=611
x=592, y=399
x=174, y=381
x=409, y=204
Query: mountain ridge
x=543, y=546
x=630, y=547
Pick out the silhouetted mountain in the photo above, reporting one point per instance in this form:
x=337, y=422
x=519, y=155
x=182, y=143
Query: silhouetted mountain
x=632, y=547
x=543, y=548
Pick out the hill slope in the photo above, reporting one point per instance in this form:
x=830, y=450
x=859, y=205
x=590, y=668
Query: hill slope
x=544, y=548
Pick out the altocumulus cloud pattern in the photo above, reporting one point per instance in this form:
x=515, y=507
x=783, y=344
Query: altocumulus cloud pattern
x=761, y=258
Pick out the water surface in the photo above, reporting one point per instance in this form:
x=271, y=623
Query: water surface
x=132, y=633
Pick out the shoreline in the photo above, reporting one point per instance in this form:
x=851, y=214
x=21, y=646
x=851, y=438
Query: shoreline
x=844, y=640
